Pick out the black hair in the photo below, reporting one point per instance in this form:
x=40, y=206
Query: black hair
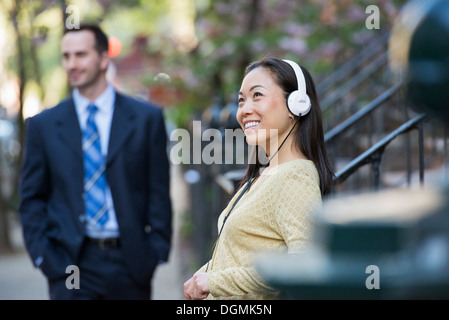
x=309, y=137
x=101, y=39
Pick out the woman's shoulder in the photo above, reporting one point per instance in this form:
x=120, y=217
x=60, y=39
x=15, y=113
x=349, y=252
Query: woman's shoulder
x=298, y=169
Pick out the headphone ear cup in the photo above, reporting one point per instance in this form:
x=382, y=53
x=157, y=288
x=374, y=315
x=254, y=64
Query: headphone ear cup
x=298, y=106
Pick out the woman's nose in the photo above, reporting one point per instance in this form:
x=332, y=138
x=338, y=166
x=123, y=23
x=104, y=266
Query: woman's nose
x=247, y=108
x=244, y=111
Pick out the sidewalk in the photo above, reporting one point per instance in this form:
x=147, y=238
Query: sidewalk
x=19, y=280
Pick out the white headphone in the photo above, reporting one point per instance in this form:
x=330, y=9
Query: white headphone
x=298, y=102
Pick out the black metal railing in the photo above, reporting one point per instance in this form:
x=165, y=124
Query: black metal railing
x=354, y=82
x=348, y=69
x=365, y=111
x=374, y=154
x=341, y=92
x=342, y=117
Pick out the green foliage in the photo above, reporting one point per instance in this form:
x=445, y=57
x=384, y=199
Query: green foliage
x=320, y=35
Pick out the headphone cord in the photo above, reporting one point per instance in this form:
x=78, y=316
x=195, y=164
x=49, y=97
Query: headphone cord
x=285, y=139
x=227, y=216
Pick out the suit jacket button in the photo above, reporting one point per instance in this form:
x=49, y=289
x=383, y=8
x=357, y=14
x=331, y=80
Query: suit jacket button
x=147, y=228
x=82, y=218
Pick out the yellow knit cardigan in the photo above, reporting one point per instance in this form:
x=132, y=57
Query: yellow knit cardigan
x=273, y=216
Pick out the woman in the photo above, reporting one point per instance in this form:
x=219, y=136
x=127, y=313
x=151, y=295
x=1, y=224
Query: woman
x=272, y=209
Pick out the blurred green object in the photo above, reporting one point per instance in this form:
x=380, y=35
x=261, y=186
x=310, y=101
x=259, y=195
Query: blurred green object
x=419, y=51
x=392, y=244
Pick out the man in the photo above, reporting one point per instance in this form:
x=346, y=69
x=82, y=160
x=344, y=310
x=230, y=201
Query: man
x=95, y=200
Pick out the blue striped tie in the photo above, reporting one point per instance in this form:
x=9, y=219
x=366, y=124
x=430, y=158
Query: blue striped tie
x=94, y=173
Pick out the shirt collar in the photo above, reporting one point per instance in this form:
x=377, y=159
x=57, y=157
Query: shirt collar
x=104, y=103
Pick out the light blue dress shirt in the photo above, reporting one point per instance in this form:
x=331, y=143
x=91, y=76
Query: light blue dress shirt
x=103, y=118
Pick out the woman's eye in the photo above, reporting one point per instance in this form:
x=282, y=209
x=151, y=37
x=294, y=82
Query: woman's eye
x=241, y=100
x=257, y=94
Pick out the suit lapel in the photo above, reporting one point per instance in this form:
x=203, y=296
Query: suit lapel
x=121, y=127
x=68, y=128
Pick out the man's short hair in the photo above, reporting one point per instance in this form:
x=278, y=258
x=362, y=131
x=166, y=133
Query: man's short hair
x=101, y=40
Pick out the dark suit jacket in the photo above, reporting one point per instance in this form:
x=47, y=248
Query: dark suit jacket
x=137, y=171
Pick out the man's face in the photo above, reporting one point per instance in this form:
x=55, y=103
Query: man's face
x=82, y=62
